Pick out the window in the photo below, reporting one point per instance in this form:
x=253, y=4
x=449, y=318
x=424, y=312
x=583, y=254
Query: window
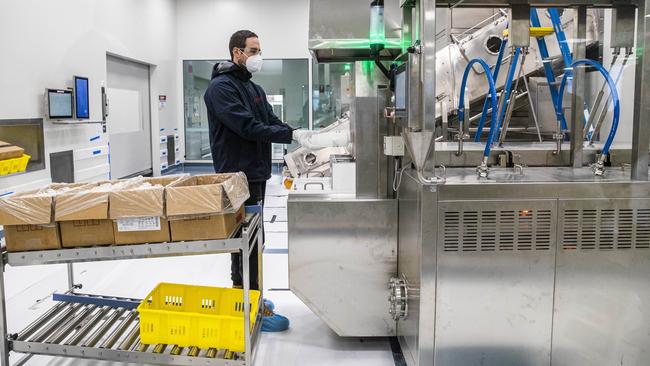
x=328, y=80
x=284, y=81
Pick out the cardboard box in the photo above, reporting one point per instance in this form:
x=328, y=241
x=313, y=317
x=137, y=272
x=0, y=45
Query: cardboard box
x=138, y=211
x=206, y=207
x=207, y=195
x=4, y=143
x=202, y=227
x=11, y=152
x=27, y=221
x=122, y=237
x=82, y=214
x=20, y=238
x=86, y=233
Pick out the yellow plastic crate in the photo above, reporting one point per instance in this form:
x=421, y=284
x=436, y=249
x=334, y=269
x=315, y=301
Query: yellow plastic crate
x=15, y=165
x=205, y=317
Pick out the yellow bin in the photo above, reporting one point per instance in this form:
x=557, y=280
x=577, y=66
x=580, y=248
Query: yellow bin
x=14, y=165
x=205, y=317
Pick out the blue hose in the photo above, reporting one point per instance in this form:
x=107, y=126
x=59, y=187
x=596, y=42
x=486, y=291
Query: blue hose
x=493, y=92
x=497, y=67
x=613, y=91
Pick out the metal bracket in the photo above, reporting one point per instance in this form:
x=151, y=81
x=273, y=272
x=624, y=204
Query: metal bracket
x=398, y=299
x=482, y=170
x=599, y=166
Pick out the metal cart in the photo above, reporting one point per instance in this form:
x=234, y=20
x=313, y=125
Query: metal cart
x=108, y=328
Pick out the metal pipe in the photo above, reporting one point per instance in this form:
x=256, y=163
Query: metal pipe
x=512, y=100
x=81, y=333
x=212, y=353
x=176, y=350
x=99, y=333
x=110, y=342
x=531, y=109
x=579, y=87
x=596, y=106
x=489, y=112
x=641, y=123
x=130, y=338
x=52, y=327
x=38, y=323
x=65, y=330
x=603, y=112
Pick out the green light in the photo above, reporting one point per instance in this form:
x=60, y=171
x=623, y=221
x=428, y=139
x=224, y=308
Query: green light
x=346, y=67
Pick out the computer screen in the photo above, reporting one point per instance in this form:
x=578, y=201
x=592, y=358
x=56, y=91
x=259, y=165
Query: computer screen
x=82, y=108
x=59, y=103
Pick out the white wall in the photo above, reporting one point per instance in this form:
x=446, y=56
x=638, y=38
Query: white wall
x=45, y=42
x=204, y=28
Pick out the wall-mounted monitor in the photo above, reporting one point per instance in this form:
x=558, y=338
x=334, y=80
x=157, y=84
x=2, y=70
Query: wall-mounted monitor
x=59, y=104
x=82, y=102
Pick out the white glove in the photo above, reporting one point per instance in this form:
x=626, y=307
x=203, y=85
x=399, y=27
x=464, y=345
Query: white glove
x=327, y=139
x=301, y=135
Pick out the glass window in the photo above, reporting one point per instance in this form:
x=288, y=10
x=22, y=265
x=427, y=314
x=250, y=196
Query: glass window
x=328, y=80
x=284, y=81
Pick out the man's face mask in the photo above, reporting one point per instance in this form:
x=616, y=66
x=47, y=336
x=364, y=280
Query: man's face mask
x=253, y=63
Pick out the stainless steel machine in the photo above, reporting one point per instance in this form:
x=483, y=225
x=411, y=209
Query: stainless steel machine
x=529, y=259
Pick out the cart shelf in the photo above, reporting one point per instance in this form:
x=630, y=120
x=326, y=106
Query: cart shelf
x=103, y=328
x=108, y=328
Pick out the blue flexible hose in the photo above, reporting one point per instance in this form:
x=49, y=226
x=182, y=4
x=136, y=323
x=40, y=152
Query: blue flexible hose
x=493, y=93
x=613, y=91
x=497, y=67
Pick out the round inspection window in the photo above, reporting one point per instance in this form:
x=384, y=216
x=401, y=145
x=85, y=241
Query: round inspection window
x=310, y=159
x=493, y=44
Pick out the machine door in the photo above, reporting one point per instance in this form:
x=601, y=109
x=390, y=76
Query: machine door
x=129, y=120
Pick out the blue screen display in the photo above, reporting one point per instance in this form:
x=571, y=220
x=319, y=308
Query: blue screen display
x=82, y=109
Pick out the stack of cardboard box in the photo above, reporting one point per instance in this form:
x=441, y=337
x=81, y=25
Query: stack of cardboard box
x=133, y=211
x=8, y=151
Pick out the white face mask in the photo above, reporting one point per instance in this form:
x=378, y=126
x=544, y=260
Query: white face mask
x=254, y=63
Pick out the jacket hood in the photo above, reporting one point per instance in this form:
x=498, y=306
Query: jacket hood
x=228, y=67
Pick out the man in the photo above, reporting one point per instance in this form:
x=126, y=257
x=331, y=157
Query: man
x=242, y=128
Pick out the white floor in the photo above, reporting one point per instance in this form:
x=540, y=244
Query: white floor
x=308, y=342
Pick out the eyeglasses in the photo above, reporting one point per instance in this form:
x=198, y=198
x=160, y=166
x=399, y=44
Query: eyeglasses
x=251, y=52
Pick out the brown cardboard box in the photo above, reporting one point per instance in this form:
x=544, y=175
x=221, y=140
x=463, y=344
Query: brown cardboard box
x=139, y=237
x=206, y=207
x=11, y=152
x=209, y=227
x=138, y=211
x=207, y=194
x=27, y=220
x=82, y=214
x=84, y=233
x=22, y=238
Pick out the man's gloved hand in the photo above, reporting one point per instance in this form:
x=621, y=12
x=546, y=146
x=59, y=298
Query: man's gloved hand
x=327, y=139
x=301, y=136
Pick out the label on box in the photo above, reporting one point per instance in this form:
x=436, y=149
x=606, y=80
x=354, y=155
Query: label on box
x=148, y=223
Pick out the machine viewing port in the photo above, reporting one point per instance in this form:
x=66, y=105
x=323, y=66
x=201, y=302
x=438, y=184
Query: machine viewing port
x=59, y=104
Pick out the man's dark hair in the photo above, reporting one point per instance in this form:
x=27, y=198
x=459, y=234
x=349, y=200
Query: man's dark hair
x=238, y=39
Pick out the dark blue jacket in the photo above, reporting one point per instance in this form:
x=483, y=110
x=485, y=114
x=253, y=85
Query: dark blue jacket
x=242, y=123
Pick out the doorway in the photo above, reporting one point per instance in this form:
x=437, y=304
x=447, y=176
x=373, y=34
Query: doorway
x=129, y=117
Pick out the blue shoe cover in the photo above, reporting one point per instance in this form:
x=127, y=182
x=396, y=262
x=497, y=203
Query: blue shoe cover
x=275, y=323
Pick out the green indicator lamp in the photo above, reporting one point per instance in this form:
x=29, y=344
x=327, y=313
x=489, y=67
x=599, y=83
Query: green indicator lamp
x=377, y=30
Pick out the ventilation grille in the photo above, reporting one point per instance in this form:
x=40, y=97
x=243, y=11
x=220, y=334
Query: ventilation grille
x=503, y=230
x=606, y=229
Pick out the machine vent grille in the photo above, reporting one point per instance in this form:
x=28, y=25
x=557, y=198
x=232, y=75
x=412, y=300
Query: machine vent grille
x=605, y=229
x=503, y=230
